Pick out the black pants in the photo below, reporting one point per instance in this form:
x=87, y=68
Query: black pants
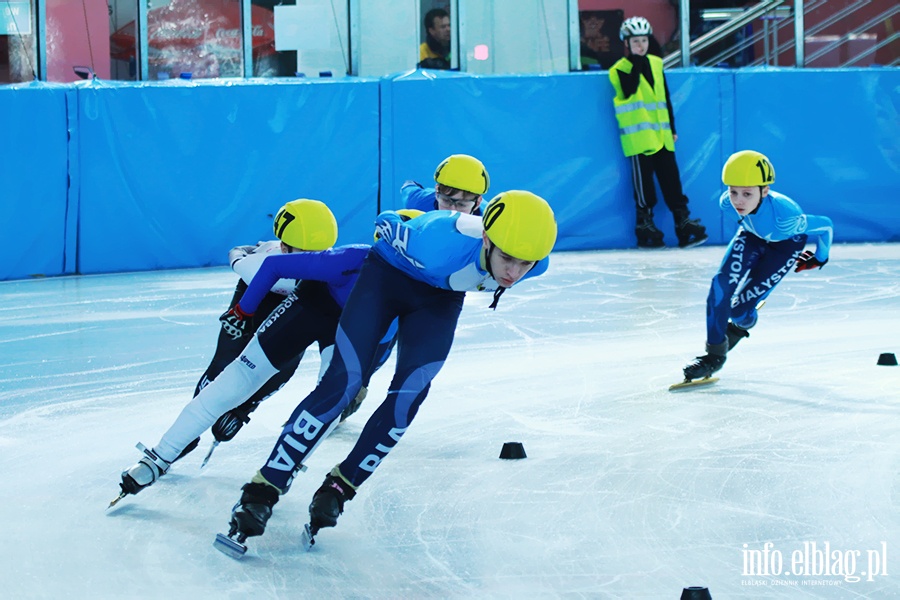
x=663, y=164
x=228, y=349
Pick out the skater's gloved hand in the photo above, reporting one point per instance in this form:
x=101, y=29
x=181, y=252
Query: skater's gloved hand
x=411, y=182
x=235, y=322
x=808, y=261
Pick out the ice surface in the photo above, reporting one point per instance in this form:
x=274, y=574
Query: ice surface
x=628, y=491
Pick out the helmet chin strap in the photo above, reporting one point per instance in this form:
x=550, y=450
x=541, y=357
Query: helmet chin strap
x=487, y=267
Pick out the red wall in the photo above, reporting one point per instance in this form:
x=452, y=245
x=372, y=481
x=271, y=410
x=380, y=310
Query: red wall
x=660, y=13
x=69, y=25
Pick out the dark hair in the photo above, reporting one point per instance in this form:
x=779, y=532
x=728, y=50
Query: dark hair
x=434, y=13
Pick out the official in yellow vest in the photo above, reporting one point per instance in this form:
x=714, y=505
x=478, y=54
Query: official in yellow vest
x=647, y=131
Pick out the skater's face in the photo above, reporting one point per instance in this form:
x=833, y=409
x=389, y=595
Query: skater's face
x=746, y=199
x=639, y=44
x=456, y=200
x=285, y=249
x=507, y=269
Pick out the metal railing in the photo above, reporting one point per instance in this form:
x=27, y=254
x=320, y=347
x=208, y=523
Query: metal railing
x=776, y=16
x=716, y=35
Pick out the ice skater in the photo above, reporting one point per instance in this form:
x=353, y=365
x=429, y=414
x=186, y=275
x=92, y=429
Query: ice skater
x=772, y=233
x=245, y=261
x=417, y=272
x=309, y=314
x=461, y=182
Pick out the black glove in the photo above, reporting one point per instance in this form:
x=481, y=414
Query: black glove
x=235, y=322
x=809, y=261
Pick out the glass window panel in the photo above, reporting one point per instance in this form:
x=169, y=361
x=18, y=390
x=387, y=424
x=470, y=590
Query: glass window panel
x=388, y=32
x=267, y=61
x=200, y=37
x=122, y=40
x=17, y=41
x=310, y=37
x=515, y=36
x=437, y=40
x=77, y=35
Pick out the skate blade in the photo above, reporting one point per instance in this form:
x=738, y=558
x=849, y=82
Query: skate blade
x=209, y=454
x=307, y=538
x=229, y=547
x=694, y=243
x=116, y=500
x=693, y=383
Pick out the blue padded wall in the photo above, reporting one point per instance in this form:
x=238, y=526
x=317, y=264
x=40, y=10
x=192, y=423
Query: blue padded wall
x=556, y=136
x=175, y=174
x=33, y=170
x=546, y=134
x=103, y=177
x=834, y=139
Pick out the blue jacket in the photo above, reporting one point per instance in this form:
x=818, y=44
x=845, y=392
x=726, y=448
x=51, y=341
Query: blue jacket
x=778, y=218
x=441, y=248
x=338, y=267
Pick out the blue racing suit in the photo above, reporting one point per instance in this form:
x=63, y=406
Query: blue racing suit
x=764, y=249
x=418, y=272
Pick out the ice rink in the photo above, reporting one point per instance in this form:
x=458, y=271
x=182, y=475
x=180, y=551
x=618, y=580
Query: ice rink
x=628, y=491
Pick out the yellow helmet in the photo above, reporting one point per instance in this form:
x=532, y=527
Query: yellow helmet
x=521, y=224
x=463, y=172
x=306, y=225
x=748, y=168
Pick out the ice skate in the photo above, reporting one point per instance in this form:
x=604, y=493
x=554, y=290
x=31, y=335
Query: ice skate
x=648, y=236
x=327, y=505
x=703, y=367
x=248, y=518
x=689, y=232
x=142, y=475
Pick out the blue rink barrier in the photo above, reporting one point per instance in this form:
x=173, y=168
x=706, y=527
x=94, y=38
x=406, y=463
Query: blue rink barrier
x=33, y=170
x=108, y=176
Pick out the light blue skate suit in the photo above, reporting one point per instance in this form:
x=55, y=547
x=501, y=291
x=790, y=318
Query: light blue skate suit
x=428, y=248
x=418, y=272
x=764, y=249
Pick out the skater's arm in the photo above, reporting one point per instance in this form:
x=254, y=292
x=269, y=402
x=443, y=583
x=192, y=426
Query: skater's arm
x=333, y=266
x=822, y=229
x=246, y=264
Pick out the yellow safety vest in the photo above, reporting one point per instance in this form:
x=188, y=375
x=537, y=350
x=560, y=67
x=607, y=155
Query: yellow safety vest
x=643, y=117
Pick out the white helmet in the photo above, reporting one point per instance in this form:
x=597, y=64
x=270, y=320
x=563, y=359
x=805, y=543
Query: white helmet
x=633, y=26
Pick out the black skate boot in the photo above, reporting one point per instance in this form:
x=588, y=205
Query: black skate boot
x=248, y=518
x=328, y=502
x=689, y=231
x=735, y=334
x=354, y=404
x=703, y=367
x=250, y=515
x=648, y=236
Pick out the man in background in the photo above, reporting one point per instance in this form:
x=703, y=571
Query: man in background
x=434, y=53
